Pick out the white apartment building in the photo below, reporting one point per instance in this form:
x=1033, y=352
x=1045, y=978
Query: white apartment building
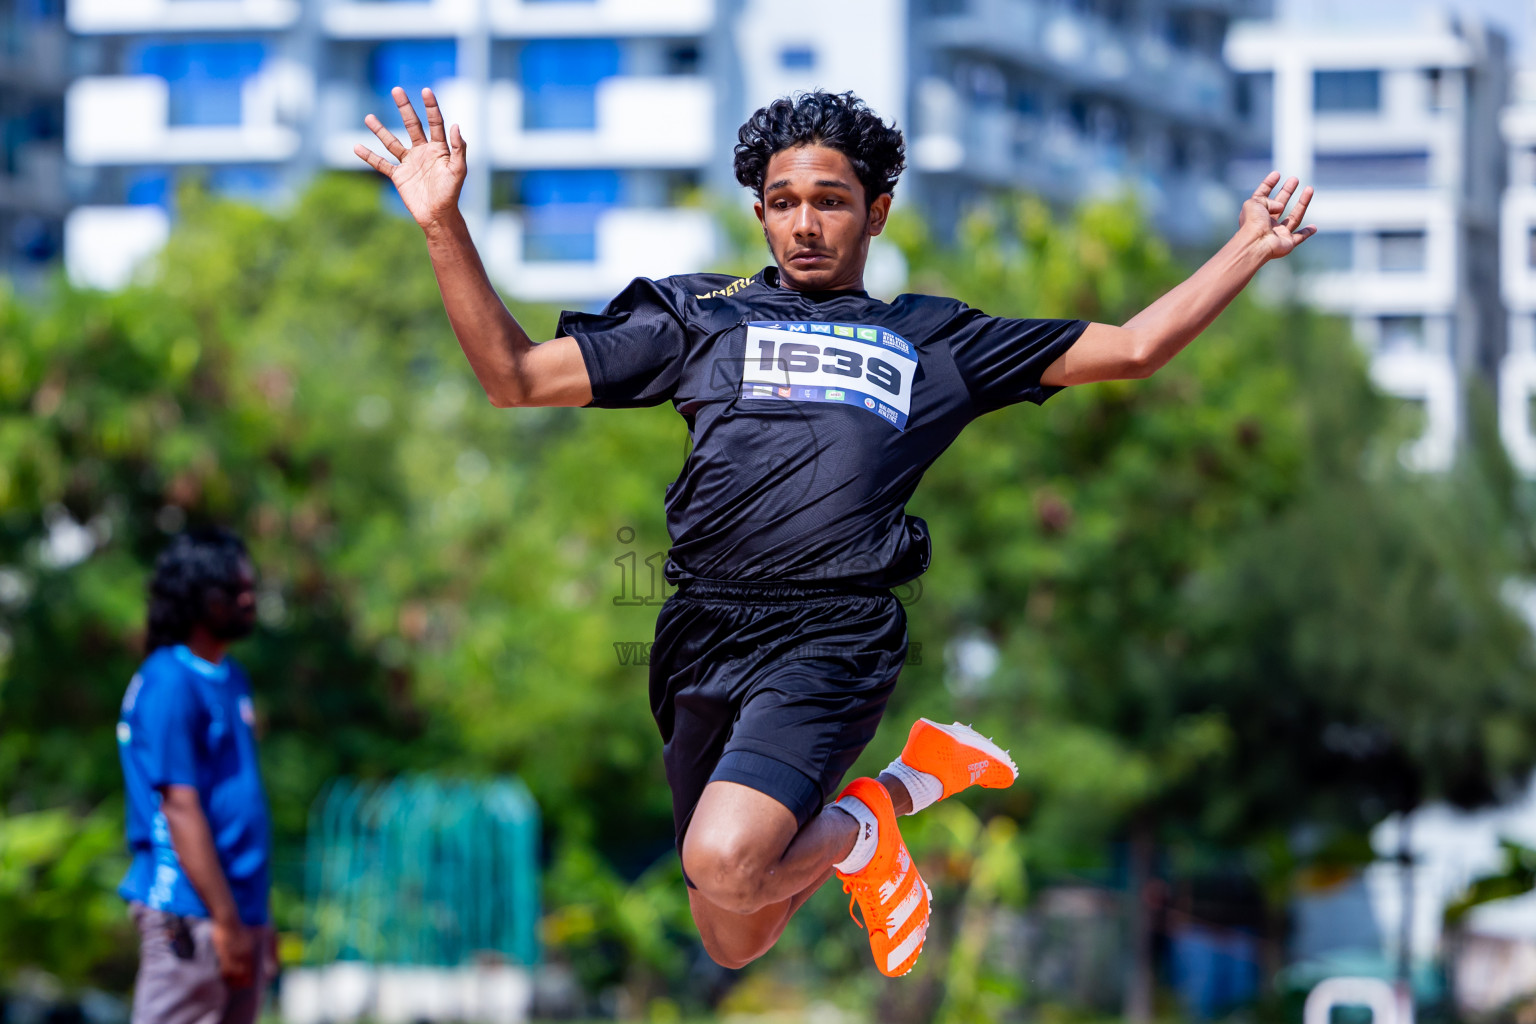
x=587, y=120
x=1517, y=271
x=1398, y=129
x=1075, y=99
x=33, y=197
x=594, y=118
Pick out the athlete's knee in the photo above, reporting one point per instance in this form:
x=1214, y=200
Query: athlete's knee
x=728, y=870
x=730, y=954
x=733, y=940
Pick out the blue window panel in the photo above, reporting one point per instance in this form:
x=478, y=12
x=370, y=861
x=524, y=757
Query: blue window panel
x=34, y=239
x=149, y=188
x=561, y=233
x=248, y=183
x=1371, y=170
x=1329, y=251
x=544, y=188
x=559, y=79
x=412, y=64
x=42, y=10
x=561, y=211
x=797, y=58
x=204, y=77
x=13, y=135
x=1346, y=91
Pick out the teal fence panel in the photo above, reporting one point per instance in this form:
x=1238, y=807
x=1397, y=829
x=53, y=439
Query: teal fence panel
x=421, y=870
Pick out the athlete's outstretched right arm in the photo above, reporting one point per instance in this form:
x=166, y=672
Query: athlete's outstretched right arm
x=513, y=370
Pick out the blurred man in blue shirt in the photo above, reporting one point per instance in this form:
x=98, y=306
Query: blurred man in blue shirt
x=197, y=815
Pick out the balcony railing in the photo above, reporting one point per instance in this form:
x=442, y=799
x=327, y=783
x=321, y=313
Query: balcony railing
x=1517, y=256
x=1087, y=51
x=570, y=18
x=533, y=264
x=387, y=19
x=127, y=119
x=519, y=19
x=657, y=122
x=105, y=245
x=101, y=16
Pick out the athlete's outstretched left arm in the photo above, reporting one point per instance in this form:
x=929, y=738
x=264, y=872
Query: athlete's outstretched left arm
x=1155, y=335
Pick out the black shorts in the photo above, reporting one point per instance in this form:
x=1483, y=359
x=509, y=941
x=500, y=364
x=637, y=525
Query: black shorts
x=774, y=686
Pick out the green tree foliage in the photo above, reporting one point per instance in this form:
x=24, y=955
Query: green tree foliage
x=437, y=577
x=57, y=905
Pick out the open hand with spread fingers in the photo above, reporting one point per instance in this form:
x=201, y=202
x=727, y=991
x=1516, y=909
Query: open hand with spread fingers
x=1263, y=216
x=431, y=170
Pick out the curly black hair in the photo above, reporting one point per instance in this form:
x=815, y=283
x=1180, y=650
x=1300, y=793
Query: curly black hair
x=839, y=121
x=194, y=563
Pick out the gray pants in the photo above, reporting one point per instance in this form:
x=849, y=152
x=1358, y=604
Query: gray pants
x=172, y=990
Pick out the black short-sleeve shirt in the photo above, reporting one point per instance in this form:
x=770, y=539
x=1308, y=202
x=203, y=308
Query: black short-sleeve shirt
x=813, y=415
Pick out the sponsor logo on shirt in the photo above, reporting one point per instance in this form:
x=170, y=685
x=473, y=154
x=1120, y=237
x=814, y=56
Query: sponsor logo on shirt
x=866, y=333
x=887, y=412
x=783, y=392
x=834, y=395
x=890, y=340
x=821, y=328
x=808, y=393
x=842, y=330
x=869, y=403
x=729, y=290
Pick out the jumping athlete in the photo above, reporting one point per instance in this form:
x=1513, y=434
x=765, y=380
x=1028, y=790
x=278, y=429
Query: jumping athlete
x=775, y=656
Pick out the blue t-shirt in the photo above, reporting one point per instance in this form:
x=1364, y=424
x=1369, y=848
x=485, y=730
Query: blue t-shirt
x=187, y=722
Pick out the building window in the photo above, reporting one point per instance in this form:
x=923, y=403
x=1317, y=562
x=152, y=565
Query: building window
x=247, y=183
x=1371, y=170
x=1255, y=99
x=1178, y=154
x=797, y=58
x=148, y=187
x=683, y=59
x=35, y=239
x=559, y=79
x=1435, y=96
x=1346, y=91
x=1247, y=168
x=413, y=65
x=561, y=212
x=1199, y=31
x=1328, y=251
x=1401, y=251
x=1402, y=332
x=204, y=78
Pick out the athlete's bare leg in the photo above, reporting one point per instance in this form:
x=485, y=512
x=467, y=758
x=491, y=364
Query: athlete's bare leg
x=754, y=870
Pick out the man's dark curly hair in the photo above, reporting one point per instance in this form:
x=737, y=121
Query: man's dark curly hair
x=839, y=121
x=194, y=563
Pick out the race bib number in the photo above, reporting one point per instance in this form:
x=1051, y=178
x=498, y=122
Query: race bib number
x=870, y=368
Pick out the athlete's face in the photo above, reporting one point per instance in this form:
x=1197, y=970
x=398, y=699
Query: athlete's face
x=230, y=614
x=815, y=219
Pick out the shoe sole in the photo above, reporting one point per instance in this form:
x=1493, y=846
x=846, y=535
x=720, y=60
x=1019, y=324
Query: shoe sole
x=966, y=736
